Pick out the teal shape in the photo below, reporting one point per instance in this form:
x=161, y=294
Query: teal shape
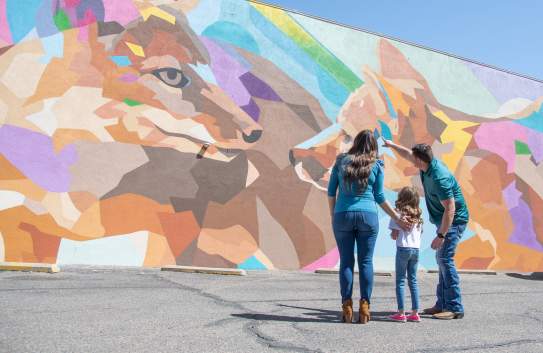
x=232, y=33
x=534, y=121
x=252, y=264
x=21, y=16
x=121, y=60
x=385, y=130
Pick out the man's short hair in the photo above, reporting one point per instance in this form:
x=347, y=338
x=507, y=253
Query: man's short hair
x=423, y=152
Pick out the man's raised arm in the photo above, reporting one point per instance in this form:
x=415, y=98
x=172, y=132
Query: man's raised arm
x=402, y=151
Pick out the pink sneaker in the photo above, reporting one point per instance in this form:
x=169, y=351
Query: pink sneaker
x=398, y=317
x=413, y=318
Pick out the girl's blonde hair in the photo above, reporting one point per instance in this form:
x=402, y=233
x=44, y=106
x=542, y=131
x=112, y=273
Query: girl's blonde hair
x=407, y=205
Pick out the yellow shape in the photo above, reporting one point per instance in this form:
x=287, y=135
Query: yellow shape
x=395, y=96
x=155, y=11
x=136, y=49
x=454, y=132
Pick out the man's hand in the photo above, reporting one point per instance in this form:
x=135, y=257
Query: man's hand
x=387, y=143
x=437, y=242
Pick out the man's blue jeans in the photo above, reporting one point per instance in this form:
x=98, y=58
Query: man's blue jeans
x=407, y=260
x=448, y=287
x=360, y=228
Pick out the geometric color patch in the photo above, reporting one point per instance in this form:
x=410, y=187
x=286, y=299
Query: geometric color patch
x=136, y=49
x=121, y=60
x=522, y=148
x=131, y=102
x=155, y=11
x=120, y=250
x=252, y=264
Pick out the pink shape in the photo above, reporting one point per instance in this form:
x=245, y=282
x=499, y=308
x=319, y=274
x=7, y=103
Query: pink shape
x=129, y=78
x=499, y=138
x=327, y=261
x=71, y=3
x=121, y=11
x=5, y=33
x=87, y=19
x=83, y=35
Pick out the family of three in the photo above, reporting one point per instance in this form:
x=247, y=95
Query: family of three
x=354, y=191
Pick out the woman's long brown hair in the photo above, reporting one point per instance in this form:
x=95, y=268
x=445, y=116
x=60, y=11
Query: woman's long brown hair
x=407, y=205
x=363, y=155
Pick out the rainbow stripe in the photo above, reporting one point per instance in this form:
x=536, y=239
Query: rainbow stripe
x=311, y=46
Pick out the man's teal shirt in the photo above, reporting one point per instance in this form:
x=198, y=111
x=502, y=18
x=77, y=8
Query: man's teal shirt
x=439, y=185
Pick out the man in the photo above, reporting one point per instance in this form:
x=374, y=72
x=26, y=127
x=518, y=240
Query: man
x=448, y=211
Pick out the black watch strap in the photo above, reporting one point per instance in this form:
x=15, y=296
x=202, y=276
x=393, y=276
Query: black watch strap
x=441, y=235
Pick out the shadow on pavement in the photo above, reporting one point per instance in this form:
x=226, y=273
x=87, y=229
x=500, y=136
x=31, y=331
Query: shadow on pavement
x=536, y=276
x=313, y=315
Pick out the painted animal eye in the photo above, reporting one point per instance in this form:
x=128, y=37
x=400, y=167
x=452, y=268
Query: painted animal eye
x=172, y=77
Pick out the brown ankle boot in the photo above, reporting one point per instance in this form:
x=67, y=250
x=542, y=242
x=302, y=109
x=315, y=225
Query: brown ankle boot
x=347, y=315
x=364, y=314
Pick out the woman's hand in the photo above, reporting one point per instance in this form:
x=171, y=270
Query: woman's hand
x=404, y=224
x=394, y=234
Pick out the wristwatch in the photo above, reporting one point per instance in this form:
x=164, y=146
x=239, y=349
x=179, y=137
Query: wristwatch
x=441, y=235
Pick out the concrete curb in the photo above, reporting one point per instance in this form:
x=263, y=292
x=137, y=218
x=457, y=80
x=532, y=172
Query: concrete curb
x=471, y=272
x=29, y=266
x=207, y=270
x=333, y=271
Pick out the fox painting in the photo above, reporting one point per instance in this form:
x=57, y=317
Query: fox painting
x=203, y=133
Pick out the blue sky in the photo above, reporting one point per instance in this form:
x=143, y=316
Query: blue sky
x=502, y=33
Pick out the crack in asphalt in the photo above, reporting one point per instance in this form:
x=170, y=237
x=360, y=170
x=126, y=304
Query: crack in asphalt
x=482, y=346
x=268, y=341
x=252, y=327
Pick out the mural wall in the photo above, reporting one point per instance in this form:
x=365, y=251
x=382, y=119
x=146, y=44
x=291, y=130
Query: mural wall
x=202, y=132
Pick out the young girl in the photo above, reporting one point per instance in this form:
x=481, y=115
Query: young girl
x=407, y=253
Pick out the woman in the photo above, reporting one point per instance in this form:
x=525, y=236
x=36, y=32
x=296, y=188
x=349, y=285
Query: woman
x=359, y=176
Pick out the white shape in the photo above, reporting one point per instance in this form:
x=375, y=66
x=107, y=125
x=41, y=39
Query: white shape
x=9, y=199
x=167, y=122
x=23, y=74
x=119, y=250
x=252, y=174
x=35, y=206
x=200, y=132
x=69, y=211
x=76, y=110
x=511, y=107
x=45, y=119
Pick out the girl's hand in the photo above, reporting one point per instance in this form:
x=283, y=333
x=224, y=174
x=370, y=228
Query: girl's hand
x=394, y=235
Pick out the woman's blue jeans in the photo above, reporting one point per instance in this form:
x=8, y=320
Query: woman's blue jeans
x=360, y=228
x=407, y=260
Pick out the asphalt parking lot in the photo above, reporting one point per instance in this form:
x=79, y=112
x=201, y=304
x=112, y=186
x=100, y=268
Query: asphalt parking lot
x=89, y=309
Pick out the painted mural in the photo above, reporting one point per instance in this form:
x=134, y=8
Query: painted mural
x=202, y=132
